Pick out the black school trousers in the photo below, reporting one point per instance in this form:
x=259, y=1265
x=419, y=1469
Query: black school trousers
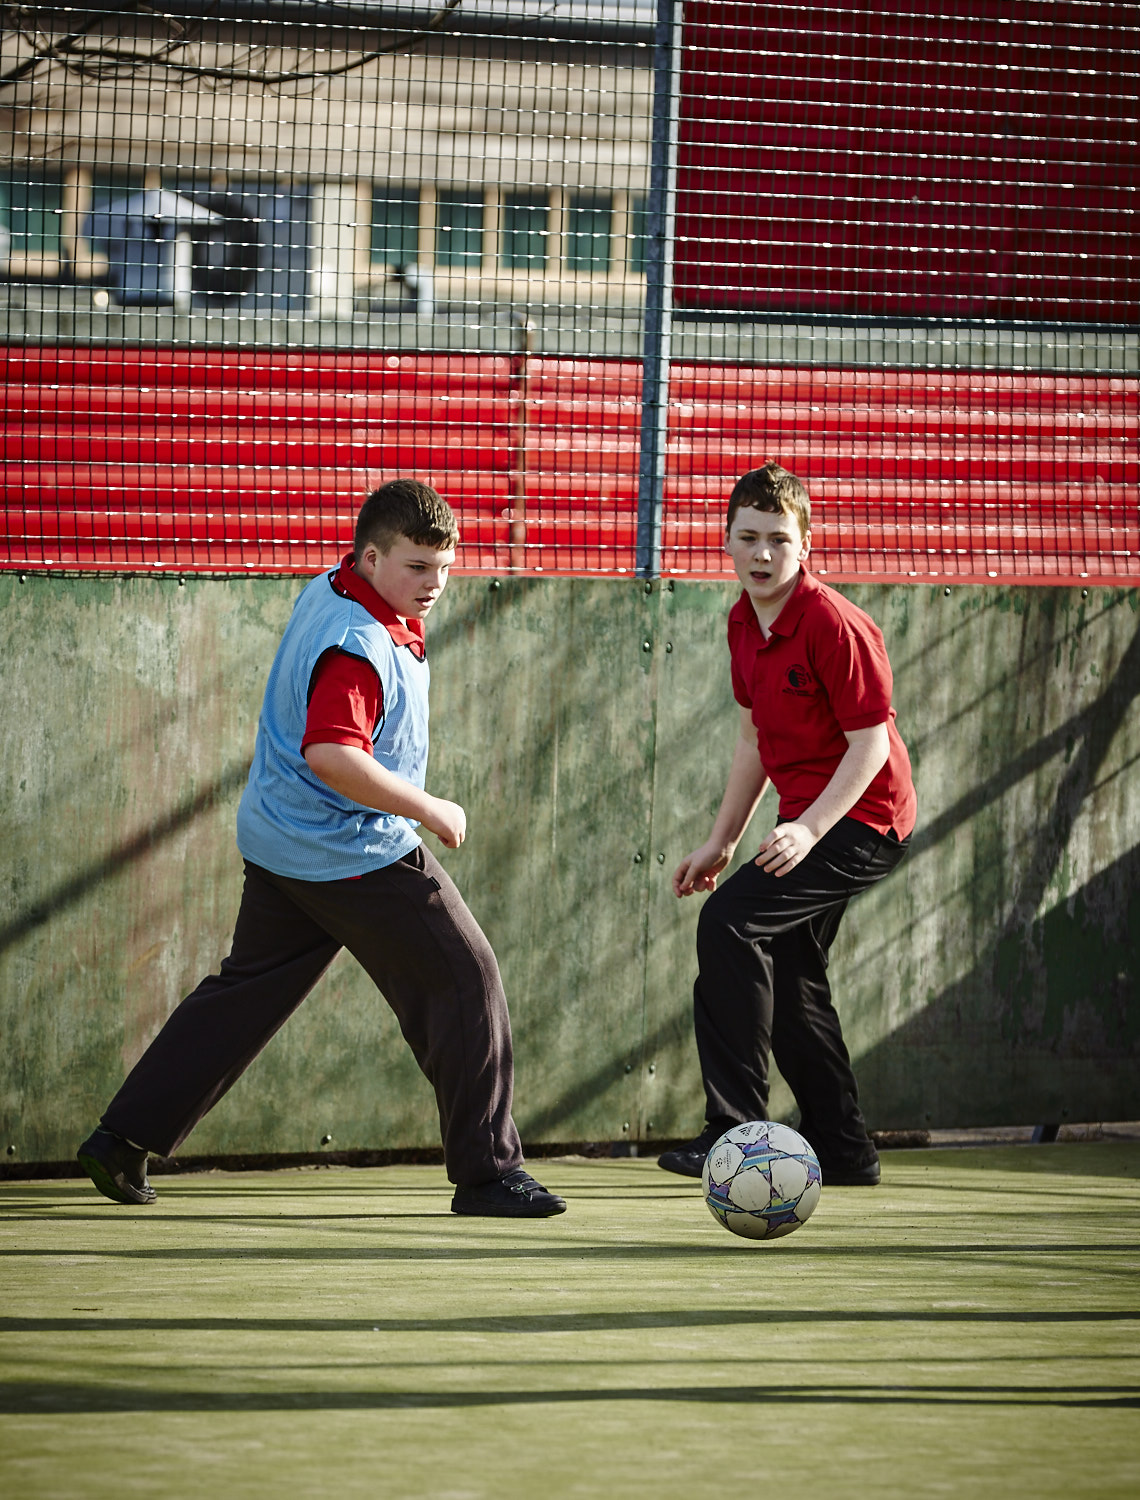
x=410, y=929
x=762, y=951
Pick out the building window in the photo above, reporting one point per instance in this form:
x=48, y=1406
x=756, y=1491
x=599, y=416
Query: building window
x=31, y=209
x=395, y=226
x=459, y=230
x=638, y=235
x=524, y=232
x=588, y=237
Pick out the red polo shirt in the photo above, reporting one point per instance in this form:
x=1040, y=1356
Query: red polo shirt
x=822, y=670
x=346, y=699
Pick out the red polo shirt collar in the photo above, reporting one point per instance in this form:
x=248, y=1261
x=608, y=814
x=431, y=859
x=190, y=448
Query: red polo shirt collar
x=789, y=617
x=348, y=582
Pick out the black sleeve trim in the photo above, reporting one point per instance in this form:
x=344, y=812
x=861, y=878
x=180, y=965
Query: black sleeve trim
x=354, y=656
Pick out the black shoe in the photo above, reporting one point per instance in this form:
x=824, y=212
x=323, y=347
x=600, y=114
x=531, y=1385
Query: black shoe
x=689, y=1160
x=117, y=1168
x=515, y=1196
x=866, y=1175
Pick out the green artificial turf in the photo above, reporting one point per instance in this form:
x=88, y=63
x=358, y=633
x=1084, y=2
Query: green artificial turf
x=971, y=1328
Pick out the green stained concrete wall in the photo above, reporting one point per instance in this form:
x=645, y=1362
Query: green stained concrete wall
x=586, y=725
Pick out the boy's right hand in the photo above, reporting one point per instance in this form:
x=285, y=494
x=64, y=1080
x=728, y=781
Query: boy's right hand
x=698, y=871
x=448, y=822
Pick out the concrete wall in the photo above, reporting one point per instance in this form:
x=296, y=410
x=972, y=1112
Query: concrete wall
x=586, y=725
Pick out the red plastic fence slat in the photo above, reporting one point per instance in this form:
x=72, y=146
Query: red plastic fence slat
x=229, y=461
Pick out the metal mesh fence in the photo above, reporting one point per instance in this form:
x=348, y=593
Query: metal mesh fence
x=578, y=265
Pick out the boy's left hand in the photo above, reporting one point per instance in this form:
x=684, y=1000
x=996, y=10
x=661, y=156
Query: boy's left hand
x=785, y=847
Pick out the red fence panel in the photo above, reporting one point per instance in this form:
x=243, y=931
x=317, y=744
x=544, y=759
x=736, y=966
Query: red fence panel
x=975, y=161
x=220, y=461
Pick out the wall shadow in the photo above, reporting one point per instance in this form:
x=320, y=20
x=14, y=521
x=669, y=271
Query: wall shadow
x=68, y=893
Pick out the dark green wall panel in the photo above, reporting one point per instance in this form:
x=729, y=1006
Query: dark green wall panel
x=587, y=726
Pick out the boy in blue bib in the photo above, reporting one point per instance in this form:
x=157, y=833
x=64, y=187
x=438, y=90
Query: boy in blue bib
x=328, y=827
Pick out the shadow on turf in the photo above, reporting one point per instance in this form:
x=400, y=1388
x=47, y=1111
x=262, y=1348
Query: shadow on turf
x=623, y=1251
x=48, y=1397
x=542, y=1323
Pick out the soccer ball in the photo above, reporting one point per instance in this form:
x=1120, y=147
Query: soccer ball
x=762, y=1180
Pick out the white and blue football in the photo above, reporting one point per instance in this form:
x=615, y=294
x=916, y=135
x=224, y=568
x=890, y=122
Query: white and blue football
x=762, y=1180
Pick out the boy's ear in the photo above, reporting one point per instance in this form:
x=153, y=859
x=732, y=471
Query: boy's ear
x=366, y=562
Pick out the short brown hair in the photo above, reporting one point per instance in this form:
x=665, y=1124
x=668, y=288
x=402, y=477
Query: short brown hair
x=773, y=489
x=405, y=508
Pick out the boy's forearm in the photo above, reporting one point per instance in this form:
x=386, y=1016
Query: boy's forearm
x=358, y=776
x=864, y=758
x=747, y=781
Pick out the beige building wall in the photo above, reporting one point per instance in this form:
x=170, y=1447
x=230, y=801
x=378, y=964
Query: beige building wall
x=431, y=120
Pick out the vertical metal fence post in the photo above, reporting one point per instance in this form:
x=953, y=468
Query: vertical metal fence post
x=660, y=227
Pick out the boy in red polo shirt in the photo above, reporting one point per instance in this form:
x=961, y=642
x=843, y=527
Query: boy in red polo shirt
x=811, y=676
x=328, y=826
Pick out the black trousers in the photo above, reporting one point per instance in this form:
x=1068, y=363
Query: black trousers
x=411, y=931
x=762, y=951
